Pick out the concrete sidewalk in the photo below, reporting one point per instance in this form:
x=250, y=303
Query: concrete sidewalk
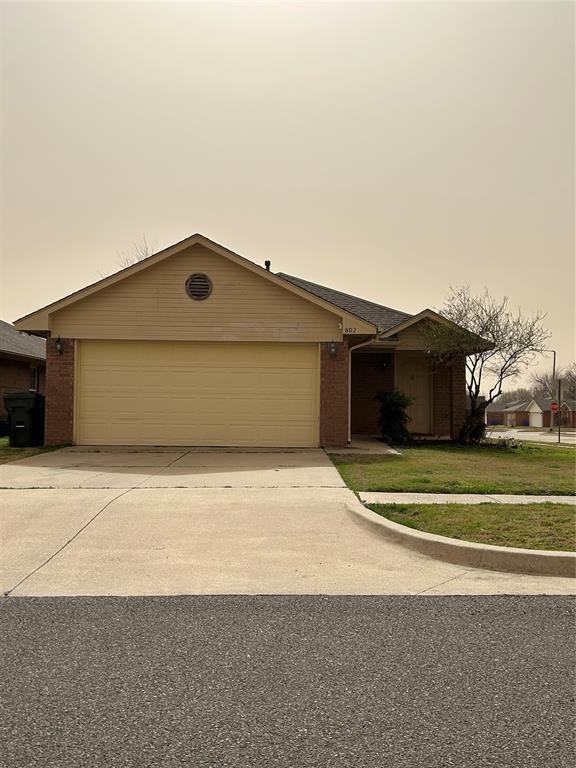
x=460, y=498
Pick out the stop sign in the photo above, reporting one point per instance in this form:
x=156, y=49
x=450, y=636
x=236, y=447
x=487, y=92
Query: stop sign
x=554, y=406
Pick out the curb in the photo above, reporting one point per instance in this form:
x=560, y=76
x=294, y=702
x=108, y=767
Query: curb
x=536, y=562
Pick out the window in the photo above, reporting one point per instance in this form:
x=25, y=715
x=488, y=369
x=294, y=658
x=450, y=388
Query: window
x=34, y=379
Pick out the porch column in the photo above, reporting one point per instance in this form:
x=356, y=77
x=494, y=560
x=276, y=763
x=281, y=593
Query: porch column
x=449, y=397
x=334, y=382
x=59, y=418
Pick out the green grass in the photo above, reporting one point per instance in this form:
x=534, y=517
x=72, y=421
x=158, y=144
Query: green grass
x=534, y=469
x=11, y=454
x=530, y=526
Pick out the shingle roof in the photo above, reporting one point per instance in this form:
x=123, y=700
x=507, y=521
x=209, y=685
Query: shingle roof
x=514, y=405
x=384, y=317
x=15, y=342
x=522, y=405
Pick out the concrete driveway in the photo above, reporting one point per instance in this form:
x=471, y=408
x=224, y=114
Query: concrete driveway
x=178, y=521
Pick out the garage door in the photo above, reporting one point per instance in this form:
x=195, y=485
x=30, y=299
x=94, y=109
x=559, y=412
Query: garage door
x=197, y=393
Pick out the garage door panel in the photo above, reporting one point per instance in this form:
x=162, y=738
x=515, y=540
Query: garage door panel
x=193, y=393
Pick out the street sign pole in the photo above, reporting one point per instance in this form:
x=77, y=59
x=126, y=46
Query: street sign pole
x=559, y=417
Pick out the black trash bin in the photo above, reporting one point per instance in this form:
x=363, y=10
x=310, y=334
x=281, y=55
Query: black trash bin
x=25, y=418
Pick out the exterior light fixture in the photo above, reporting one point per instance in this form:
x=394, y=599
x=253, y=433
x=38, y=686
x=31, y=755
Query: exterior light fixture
x=59, y=345
x=333, y=349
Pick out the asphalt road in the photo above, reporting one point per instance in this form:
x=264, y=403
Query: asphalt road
x=287, y=681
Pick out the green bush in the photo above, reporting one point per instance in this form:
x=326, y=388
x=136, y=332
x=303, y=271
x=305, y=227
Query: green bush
x=393, y=419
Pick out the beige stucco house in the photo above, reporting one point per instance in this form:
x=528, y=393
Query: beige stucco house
x=196, y=345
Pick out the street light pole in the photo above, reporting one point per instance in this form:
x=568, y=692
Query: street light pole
x=552, y=388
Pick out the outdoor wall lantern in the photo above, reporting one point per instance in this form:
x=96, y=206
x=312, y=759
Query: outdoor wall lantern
x=59, y=345
x=332, y=349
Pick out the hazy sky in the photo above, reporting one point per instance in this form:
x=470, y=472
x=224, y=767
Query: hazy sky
x=385, y=149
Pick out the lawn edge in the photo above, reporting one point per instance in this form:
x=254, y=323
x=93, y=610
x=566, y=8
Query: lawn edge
x=536, y=562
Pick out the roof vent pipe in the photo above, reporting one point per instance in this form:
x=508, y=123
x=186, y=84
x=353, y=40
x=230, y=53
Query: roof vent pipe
x=267, y=265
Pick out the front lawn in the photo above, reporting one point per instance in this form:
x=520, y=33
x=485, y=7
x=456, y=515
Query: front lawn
x=530, y=526
x=11, y=454
x=533, y=469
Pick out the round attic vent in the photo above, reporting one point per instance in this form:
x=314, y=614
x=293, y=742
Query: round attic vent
x=198, y=286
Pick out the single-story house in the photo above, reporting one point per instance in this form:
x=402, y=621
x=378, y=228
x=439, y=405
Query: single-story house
x=531, y=413
x=196, y=345
x=22, y=365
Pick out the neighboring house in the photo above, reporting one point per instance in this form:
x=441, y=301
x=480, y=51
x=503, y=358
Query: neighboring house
x=22, y=364
x=514, y=414
x=196, y=345
x=530, y=413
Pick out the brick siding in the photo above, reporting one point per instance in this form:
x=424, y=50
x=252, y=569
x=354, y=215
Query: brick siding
x=334, y=395
x=59, y=424
x=371, y=373
x=16, y=376
x=458, y=376
x=442, y=400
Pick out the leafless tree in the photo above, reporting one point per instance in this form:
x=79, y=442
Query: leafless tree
x=139, y=250
x=515, y=395
x=497, y=343
x=544, y=382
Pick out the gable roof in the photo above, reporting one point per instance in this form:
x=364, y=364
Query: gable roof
x=522, y=405
x=38, y=321
x=514, y=405
x=14, y=342
x=378, y=314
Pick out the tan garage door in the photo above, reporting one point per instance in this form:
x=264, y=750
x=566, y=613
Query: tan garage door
x=197, y=393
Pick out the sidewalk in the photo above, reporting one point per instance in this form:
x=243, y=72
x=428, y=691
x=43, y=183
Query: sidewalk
x=460, y=498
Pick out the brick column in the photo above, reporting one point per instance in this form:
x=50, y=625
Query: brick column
x=449, y=397
x=458, y=370
x=59, y=423
x=334, y=381
x=442, y=399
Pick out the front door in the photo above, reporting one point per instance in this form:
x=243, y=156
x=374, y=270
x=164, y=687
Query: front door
x=413, y=377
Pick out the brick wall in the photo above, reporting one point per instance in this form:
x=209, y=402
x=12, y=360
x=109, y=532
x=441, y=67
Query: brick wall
x=59, y=424
x=16, y=376
x=442, y=400
x=449, y=397
x=458, y=367
x=334, y=395
x=371, y=373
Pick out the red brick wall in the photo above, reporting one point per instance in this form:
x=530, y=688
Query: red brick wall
x=449, y=397
x=442, y=400
x=368, y=378
x=458, y=368
x=59, y=424
x=334, y=395
x=568, y=418
x=16, y=376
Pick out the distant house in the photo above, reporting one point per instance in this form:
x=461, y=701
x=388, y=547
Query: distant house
x=530, y=413
x=22, y=364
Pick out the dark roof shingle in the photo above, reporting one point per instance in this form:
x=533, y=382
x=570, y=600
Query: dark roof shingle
x=15, y=342
x=377, y=314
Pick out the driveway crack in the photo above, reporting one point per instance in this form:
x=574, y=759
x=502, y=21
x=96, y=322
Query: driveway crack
x=452, y=578
x=83, y=528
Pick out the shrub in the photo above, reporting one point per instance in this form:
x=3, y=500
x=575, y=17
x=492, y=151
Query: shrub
x=393, y=419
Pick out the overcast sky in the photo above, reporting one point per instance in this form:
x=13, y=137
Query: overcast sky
x=385, y=149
